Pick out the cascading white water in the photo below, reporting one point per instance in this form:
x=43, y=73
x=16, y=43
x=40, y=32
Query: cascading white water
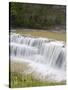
x=48, y=56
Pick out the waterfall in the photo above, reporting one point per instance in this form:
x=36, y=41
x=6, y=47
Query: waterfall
x=50, y=53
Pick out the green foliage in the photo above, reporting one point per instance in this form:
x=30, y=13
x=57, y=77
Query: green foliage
x=19, y=80
x=36, y=15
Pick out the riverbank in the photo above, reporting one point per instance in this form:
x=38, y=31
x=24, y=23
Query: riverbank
x=51, y=34
x=20, y=79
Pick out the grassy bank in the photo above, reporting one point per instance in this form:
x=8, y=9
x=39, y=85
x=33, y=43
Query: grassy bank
x=61, y=36
x=20, y=79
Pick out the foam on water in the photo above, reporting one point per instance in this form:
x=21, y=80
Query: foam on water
x=46, y=57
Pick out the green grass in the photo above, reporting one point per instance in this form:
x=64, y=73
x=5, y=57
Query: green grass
x=61, y=36
x=18, y=78
x=23, y=80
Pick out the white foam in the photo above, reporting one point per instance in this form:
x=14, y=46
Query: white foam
x=46, y=57
x=42, y=71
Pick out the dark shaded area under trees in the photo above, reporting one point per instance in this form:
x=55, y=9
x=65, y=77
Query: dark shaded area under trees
x=39, y=16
